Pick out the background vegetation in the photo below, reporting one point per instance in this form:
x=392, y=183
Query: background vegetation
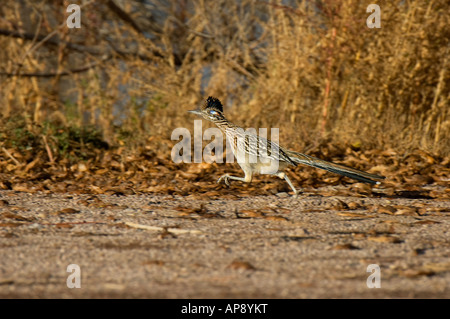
x=126, y=78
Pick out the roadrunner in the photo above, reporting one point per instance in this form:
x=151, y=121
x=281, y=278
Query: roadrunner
x=256, y=154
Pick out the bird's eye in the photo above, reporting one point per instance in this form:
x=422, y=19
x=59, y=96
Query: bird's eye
x=212, y=112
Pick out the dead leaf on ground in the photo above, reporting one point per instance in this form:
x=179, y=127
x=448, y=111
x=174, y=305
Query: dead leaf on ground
x=281, y=210
x=433, y=210
x=414, y=273
x=356, y=215
x=241, y=265
x=17, y=217
x=275, y=218
x=344, y=247
x=362, y=188
x=406, y=210
x=66, y=211
x=336, y=204
x=153, y=263
x=11, y=224
x=382, y=209
x=385, y=239
x=250, y=213
x=426, y=222
x=63, y=225
x=353, y=205
x=438, y=267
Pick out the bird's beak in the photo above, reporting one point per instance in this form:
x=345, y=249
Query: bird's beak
x=196, y=112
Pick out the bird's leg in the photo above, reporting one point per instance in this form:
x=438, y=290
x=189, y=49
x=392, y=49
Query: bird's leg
x=284, y=176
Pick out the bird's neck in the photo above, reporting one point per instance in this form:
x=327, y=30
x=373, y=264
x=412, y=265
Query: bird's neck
x=224, y=124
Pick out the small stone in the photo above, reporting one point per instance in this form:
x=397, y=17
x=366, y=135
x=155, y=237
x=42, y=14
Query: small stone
x=282, y=194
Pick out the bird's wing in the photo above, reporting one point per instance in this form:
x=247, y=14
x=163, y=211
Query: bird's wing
x=258, y=146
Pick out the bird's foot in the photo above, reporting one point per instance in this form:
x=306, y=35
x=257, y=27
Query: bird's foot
x=297, y=192
x=225, y=178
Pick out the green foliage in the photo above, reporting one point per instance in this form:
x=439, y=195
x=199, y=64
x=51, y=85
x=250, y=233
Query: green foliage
x=71, y=142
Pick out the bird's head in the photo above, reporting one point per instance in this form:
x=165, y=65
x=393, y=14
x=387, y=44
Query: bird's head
x=211, y=110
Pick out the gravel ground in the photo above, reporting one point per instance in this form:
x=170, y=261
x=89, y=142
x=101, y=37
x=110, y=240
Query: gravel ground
x=155, y=246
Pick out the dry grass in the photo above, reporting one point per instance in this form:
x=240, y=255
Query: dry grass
x=311, y=68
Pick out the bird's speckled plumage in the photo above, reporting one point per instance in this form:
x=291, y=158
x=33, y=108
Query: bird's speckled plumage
x=256, y=154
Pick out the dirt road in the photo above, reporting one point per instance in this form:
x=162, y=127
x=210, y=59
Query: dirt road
x=172, y=246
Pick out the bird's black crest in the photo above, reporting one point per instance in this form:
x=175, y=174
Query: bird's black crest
x=213, y=103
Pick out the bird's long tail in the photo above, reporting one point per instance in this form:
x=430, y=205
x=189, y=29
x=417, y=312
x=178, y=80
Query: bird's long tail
x=358, y=175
